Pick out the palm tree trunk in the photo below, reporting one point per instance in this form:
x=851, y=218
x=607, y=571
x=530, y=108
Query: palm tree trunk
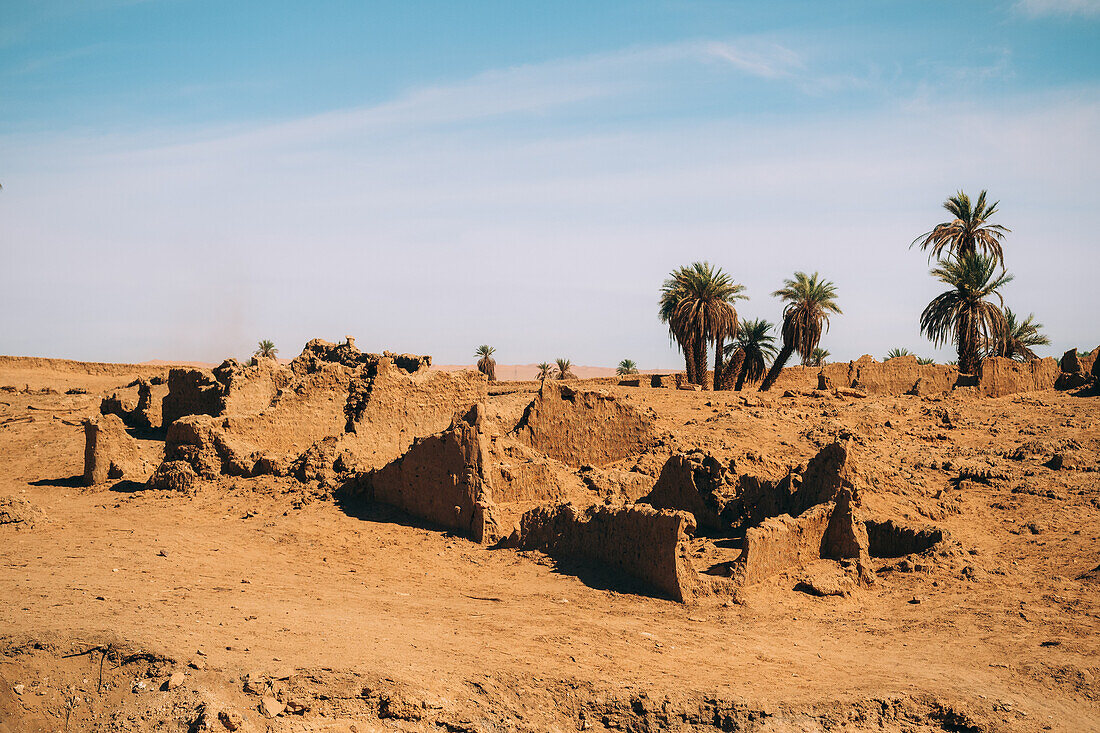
x=777, y=367
x=701, y=363
x=731, y=370
x=741, y=377
x=718, y=364
x=968, y=344
x=689, y=361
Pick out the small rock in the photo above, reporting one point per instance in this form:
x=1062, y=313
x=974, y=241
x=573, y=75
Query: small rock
x=1056, y=462
x=174, y=681
x=139, y=686
x=197, y=663
x=231, y=719
x=297, y=707
x=19, y=689
x=270, y=707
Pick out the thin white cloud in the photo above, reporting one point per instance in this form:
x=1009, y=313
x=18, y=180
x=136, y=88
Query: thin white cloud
x=775, y=62
x=1045, y=8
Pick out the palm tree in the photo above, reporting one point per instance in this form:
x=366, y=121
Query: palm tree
x=818, y=357
x=545, y=371
x=697, y=304
x=962, y=313
x=895, y=352
x=563, y=369
x=968, y=233
x=810, y=300
x=756, y=344
x=924, y=361
x=486, y=365
x=267, y=350
x=626, y=366
x=1017, y=338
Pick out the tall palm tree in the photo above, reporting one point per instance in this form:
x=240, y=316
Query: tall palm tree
x=818, y=357
x=626, y=366
x=697, y=304
x=810, y=299
x=486, y=364
x=1017, y=338
x=266, y=350
x=564, y=369
x=968, y=233
x=895, y=352
x=756, y=344
x=962, y=313
x=545, y=371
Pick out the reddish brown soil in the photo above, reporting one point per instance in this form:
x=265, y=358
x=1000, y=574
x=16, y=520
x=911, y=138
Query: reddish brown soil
x=376, y=623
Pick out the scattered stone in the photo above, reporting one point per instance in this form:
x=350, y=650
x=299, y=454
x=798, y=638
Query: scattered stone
x=20, y=513
x=1056, y=462
x=174, y=681
x=19, y=689
x=231, y=719
x=270, y=707
x=174, y=476
x=297, y=707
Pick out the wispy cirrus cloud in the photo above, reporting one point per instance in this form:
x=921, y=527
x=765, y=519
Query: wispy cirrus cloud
x=1043, y=8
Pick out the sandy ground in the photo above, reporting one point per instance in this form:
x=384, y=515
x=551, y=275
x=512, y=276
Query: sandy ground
x=374, y=622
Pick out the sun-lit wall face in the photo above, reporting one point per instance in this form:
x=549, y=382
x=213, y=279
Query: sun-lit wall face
x=181, y=181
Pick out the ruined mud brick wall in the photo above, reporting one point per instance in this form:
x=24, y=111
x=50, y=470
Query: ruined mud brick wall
x=190, y=392
x=829, y=530
x=900, y=375
x=889, y=539
x=584, y=428
x=138, y=406
x=110, y=453
x=439, y=479
x=83, y=367
x=691, y=482
x=388, y=407
x=999, y=376
x=645, y=543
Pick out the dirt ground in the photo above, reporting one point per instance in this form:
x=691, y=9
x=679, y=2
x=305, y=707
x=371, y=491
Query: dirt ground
x=263, y=595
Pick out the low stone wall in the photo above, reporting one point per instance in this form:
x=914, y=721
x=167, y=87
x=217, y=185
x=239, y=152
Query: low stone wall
x=647, y=544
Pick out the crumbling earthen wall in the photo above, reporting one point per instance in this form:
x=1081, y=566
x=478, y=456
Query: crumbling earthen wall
x=890, y=539
x=999, y=376
x=439, y=479
x=110, y=453
x=190, y=392
x=388, y=407
x=691, y=482
x=580, y=428
x=138, y=406
x=645, y=543
x=830, y=530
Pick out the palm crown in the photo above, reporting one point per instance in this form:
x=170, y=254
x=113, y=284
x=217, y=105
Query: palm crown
x=968, y=233
x=564, y=369
x=266, y=349
x=963, y=313
x=810, y=300
x=1016, y=339
x=486, y=364
x=626, y=366
x=755, y=344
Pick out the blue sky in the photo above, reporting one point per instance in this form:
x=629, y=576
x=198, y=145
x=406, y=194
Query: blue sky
x=182, y=179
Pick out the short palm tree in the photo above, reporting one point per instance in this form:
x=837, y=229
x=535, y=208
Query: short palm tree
x=895, y=352
x=486, y=364
x=1018, y=337
x=545, y=371
x=266, y=350
x=810, y=299
x=626, y=366
x=697, y=304
x=968, y=233
x=962, y=313
x=818, y=357
x=924, y=361
x=755, y=344
x=564, y=369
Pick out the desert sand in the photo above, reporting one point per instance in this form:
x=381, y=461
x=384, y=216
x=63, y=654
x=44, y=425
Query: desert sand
x=266, y=602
